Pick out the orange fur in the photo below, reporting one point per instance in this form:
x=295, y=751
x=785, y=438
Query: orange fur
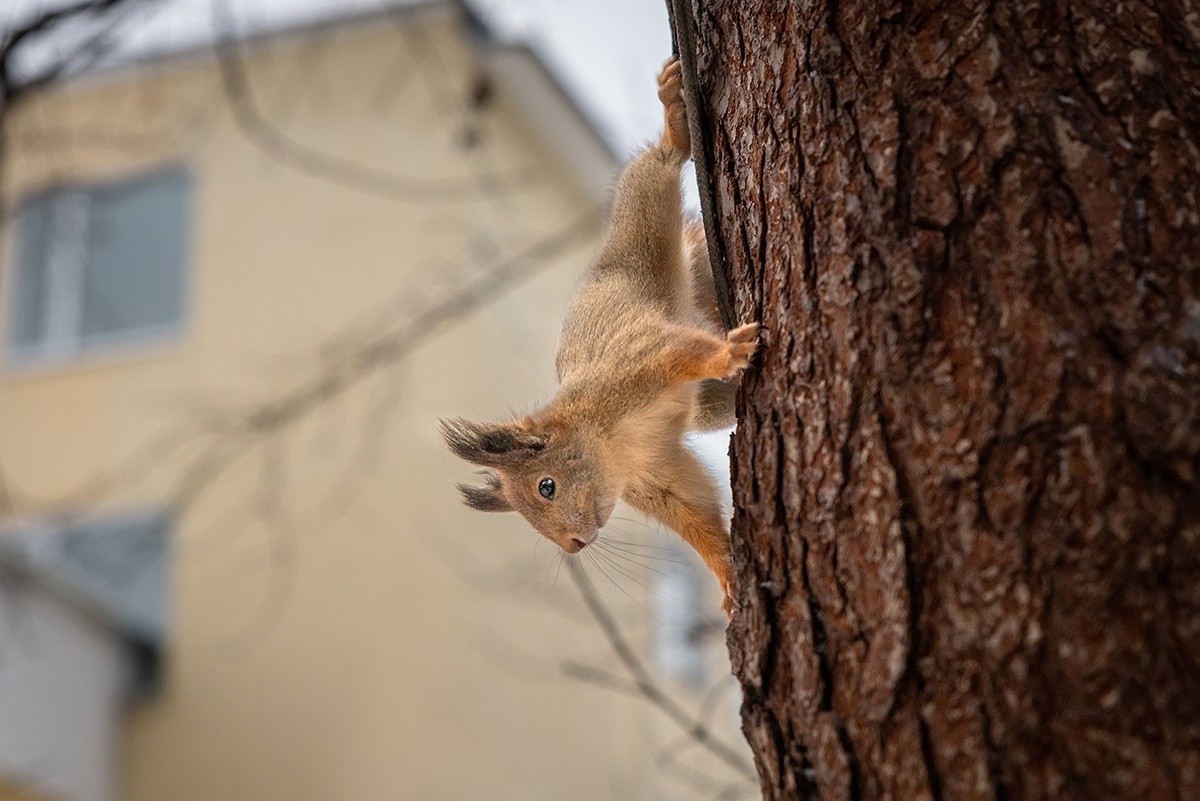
x=642, y=359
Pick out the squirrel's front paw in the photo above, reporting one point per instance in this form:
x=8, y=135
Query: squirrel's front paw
x=742, y=342
x=670, y=91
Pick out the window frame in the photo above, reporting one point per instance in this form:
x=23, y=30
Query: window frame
x=81, y=349
x=43, y=546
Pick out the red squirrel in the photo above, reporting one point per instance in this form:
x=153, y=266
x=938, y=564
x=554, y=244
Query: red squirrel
x=643, y=358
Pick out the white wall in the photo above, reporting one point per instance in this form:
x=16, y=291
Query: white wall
x=62, y=677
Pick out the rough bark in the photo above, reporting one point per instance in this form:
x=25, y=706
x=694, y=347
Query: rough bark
x=967, y=528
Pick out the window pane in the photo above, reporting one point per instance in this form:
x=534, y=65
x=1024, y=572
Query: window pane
x=116, y=564
x=120, y=562
x=680, y=615
x=29, y=291
x=135, y=269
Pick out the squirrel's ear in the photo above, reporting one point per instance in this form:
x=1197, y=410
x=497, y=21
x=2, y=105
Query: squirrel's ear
x=488, y=498
x=491, y=445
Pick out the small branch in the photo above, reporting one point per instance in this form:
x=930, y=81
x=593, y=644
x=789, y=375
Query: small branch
x=90, y=49
x=47, y=19
x=355, y=364
x=646, y=685
x=600, y=678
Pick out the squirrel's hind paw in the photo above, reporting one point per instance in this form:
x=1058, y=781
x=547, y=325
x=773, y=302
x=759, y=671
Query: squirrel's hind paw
x=670, y=93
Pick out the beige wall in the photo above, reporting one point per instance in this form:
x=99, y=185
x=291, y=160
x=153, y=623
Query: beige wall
x=341, y=627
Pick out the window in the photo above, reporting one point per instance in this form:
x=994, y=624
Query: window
x=687, y=617
x=99, y=265
x=82, y=628
x=689, y=626
x=115, y=563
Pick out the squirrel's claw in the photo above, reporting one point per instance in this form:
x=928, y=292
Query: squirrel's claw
x=670, y=92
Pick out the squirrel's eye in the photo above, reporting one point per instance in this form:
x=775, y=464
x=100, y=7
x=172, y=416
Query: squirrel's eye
x=546, y=488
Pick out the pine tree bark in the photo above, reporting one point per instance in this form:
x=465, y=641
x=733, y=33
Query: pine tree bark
x=967, y=527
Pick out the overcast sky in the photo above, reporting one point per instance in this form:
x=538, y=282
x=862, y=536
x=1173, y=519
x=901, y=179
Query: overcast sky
x=605, y=52
x=608, y=53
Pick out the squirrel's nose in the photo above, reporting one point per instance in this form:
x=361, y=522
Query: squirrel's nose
x=579, y=543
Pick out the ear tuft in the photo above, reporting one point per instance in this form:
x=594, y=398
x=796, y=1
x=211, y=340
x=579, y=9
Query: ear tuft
x=488, y=498
x=491, y=445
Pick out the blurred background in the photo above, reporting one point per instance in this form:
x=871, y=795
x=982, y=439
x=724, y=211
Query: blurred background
x=250, y=252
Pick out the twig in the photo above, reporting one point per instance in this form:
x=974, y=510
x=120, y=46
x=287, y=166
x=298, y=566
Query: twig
x=645, y=684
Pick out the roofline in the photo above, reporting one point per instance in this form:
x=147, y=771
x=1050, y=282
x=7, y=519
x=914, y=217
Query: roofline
x=539, y=63
x=568, y=99
x=19, y=560
x=77, y=599
x=156, y=56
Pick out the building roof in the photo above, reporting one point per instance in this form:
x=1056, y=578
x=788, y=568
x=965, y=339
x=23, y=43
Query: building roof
x=602, y=52
x=112, y=569
x=151, y=32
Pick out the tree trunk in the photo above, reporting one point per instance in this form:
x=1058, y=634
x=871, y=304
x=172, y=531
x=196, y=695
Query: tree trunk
x=967, y=528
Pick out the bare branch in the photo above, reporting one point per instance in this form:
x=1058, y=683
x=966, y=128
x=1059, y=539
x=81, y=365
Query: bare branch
x=646, y=685
x=48, y=18
x=364, y=360
x=82, y=55
x=601, y=678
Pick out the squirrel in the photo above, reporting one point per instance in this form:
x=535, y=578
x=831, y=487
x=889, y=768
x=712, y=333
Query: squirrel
x=643, y=358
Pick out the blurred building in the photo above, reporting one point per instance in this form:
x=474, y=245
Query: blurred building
x=238, y=292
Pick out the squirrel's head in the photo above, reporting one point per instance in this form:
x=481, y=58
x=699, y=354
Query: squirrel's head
x=553, y=475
